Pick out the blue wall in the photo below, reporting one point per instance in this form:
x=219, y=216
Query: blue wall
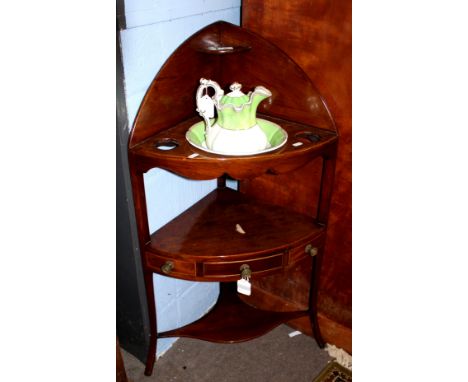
x=155, y=28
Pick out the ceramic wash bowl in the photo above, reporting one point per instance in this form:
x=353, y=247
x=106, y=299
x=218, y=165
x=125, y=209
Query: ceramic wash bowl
x=276, y=137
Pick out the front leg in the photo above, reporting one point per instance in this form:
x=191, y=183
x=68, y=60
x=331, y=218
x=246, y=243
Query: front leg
x=316, y=254
x=152, y=321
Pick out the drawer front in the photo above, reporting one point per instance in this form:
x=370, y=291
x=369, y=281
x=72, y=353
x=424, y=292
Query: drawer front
x=232, y=268
x=179, y=268
x=300, y=252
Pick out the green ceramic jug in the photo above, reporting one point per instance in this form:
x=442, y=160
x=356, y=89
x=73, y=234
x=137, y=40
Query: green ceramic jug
x=235, y=129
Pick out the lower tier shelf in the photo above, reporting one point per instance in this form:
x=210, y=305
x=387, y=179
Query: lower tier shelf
x=232, y=320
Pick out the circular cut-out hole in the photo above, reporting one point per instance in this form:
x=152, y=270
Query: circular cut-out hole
x=310, y=136
x=166, y=144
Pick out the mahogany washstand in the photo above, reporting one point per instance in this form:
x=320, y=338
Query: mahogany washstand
x=202, y=243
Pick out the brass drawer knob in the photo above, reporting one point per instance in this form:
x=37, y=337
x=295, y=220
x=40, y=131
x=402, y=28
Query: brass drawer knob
x=312, y=251
x=246, y=272
x=167, y=267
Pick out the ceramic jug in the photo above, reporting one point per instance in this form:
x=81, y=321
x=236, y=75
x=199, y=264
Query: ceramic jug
x=235, y=130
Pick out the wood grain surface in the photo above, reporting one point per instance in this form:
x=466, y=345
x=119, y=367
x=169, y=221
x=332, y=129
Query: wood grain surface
x=317, y=35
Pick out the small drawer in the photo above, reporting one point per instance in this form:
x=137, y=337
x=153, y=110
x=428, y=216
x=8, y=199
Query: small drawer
x=300, y=252
x=261, y=265
x=296, y=254
x=179, y=268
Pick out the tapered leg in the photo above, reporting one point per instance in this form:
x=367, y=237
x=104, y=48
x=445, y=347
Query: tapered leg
x=316, y=264
x=326, y=187
x=139, y=199
x=153, y=325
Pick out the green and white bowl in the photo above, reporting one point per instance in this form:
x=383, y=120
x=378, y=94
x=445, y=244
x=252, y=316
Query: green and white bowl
x=276, y=137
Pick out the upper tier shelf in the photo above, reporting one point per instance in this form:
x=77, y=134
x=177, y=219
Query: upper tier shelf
x=304, y=143
x=226, y=54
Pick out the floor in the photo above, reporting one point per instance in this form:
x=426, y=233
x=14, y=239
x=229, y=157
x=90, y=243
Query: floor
x=275, y=357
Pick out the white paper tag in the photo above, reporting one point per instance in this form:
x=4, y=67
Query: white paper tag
x=244, y=287
x=294, y=334
x=206, y=106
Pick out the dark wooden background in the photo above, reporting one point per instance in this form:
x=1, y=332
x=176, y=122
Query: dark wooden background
x=317, y=35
